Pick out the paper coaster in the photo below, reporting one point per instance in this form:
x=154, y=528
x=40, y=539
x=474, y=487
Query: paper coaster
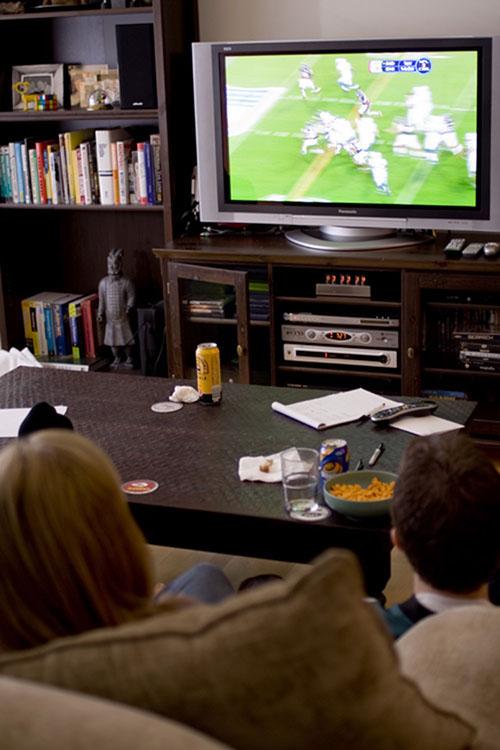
x=315, y=515
x=166, y=406
x=140, y=486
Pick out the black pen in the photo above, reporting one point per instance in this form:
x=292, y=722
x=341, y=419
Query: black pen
x=376, y=454
x=359, y=465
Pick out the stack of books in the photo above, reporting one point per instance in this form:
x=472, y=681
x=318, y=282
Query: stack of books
x=61, y=329
x=259, y=300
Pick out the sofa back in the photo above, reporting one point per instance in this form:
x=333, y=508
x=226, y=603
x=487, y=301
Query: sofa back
x=37, y=717
x=302, y=663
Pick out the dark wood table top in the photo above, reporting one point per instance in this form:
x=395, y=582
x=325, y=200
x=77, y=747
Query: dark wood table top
x=193, y=454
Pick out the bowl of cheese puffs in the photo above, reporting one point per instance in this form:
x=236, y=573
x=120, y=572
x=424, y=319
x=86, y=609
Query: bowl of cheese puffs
x=360, y=494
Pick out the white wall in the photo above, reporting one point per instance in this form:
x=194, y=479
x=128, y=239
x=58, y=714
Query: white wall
x=238, y=20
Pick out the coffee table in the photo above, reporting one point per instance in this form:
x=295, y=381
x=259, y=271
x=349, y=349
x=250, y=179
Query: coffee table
x=193, y=455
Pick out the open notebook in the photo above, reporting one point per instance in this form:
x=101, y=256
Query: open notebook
x=334, y=409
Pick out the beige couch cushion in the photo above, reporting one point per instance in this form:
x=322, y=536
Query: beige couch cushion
x=303, y=663
x=37, y=717
x=455, y=658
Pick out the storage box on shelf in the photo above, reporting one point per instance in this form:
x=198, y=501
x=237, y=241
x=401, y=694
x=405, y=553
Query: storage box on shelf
x=62, y=238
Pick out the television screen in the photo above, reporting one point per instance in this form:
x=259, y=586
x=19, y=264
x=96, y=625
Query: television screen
x=396, y=134
x=388, y=128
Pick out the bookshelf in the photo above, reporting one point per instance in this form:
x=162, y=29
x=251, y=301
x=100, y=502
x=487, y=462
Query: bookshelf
x=64, y=247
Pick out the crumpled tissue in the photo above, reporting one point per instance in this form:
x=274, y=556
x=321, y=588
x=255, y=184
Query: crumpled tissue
x=260, y=468
x=185, y=394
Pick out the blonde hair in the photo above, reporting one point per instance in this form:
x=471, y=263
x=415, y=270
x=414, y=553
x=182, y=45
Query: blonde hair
x=71, y=556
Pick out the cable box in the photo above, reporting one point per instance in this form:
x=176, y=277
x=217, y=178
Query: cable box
x=343, y=290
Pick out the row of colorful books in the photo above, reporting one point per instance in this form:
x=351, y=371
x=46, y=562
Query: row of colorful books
x=62, y=326
x=82, y=167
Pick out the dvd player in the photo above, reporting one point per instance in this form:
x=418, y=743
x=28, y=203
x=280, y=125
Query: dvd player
x=337, y=355
x=341, y=320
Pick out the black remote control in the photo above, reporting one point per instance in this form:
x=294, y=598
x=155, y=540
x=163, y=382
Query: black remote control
x=417, y=409
x=454, y=247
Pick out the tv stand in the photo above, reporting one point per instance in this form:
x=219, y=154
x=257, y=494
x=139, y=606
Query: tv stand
x=330, y=238
x=422, y=294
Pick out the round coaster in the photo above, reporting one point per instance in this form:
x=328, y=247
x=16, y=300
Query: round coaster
x=166, y=406
x=140, y=486
x=316, y=515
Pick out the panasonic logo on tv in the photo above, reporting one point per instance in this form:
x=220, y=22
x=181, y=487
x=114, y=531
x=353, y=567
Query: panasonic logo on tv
x=349, y=211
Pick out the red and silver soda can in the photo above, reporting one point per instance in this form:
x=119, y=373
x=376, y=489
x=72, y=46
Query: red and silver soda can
x=208, y=373
x=333, y=458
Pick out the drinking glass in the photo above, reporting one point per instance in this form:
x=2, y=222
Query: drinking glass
x=300, y=478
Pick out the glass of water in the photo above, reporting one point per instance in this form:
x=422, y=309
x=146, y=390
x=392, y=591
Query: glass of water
x=300, y=477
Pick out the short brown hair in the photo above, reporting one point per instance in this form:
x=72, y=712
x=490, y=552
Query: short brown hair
x=71, y=556
x=446, y=512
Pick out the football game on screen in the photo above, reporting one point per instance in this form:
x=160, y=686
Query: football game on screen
x=394, y=128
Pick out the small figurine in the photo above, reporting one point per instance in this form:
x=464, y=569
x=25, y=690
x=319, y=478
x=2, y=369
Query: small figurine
x=116, y=299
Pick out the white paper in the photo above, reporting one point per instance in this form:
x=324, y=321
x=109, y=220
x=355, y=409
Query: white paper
x=334, y=409
x=428, y=425
x=10, y=419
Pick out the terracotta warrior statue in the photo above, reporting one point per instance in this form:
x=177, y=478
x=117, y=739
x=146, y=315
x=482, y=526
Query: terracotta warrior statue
x=116, y=299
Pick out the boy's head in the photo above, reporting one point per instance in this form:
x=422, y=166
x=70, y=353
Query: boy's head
x=446, y=512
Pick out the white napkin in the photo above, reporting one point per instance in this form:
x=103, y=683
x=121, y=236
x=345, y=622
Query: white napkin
x=13, y=358
x=184, y=394
x=250, y=468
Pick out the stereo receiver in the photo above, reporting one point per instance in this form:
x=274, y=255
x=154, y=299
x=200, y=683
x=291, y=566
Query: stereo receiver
x=341, y=336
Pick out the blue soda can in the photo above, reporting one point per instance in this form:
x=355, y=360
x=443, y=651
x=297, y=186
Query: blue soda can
x=333, y=459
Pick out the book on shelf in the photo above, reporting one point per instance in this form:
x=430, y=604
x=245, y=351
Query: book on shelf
x=5, y=181
x=86, y=364
x=72, y=140
x=54, y=173
x=13, y=172
x=35, y=182
x=61, y=325
x=103, y=141
x=21, y=186
x=89, y=306
x=28, y=197
x=77, y=327
x=64, y=170
x=142, y=174
x=154, y=140
x=123, y=151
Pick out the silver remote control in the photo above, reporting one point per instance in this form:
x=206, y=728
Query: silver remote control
x=472, y=250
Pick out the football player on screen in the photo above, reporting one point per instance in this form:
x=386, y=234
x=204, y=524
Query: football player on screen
x=345, y=79
x=306, y=81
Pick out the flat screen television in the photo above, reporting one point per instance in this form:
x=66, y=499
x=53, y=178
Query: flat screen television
x=349, y=138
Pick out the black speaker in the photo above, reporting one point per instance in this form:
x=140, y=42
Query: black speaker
x=151, y=335
x=136, y=66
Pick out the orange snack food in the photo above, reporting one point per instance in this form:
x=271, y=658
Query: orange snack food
x=375, y=491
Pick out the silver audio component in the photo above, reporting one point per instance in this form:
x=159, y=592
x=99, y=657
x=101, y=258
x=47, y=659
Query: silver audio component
x=337, y=336
x=341, y=320
x=349, y=356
